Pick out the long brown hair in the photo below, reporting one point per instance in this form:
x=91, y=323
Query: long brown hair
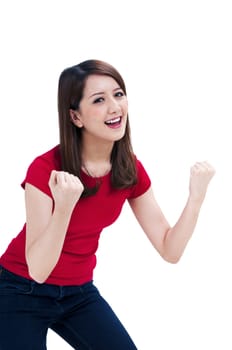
x=70, y=92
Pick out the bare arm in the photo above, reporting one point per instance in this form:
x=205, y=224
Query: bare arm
x=46, y=230
x=170, y=242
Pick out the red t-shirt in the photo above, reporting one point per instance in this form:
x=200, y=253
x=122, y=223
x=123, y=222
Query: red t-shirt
x=77, y=260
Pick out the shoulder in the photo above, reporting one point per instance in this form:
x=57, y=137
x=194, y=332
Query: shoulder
x=38, y=172
x=140, y=168
x=52, y=156
x=143, y=180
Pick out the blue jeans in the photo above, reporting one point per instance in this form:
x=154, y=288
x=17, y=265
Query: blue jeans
x=78, y=314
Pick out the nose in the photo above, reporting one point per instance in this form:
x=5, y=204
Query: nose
x=113, y=106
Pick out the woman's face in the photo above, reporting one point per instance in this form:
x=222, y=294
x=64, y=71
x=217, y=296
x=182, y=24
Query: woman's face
x=102, y=112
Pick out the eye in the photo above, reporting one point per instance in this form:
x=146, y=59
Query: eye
x=98, y=100
x=119, y=94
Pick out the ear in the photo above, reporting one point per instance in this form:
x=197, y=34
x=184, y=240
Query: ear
x=75, y=118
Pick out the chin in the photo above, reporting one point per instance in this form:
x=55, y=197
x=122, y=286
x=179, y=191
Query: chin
x=119, y=136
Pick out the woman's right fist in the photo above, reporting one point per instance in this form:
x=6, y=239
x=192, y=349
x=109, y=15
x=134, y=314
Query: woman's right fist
x=66, y=189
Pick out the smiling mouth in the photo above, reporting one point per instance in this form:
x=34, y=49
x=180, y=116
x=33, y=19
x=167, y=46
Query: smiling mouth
x=114, y=122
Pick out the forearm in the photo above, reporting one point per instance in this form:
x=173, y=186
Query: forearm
x=43, y=253
x=178, y=236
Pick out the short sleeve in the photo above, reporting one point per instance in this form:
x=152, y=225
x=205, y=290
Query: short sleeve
x=143, y=183
x=38, y=175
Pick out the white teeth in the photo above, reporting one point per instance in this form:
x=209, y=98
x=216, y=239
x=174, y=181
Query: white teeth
x=112, y=121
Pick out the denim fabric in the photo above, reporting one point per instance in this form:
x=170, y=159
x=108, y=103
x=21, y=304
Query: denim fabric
x=78, y=314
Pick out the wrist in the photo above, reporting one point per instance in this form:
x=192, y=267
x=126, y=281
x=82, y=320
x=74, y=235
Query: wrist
x=195, y=201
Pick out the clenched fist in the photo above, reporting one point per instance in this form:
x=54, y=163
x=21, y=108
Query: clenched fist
x=66, y=189
x=200, y=176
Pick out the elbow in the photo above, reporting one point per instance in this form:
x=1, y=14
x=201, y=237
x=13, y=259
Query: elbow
x=34, y=269
x=35, y=272
x=171, y=253
x=171, y=258
x=37, y=276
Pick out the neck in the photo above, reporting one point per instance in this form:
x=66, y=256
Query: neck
x=97, y=151
x=96, y=158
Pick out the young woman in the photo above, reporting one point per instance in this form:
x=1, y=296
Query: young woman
x=72, y=192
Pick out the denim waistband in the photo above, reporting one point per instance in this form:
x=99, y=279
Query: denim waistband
x=45, y=289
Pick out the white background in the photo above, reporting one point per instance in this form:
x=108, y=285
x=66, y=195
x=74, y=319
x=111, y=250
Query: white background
x=175, y=57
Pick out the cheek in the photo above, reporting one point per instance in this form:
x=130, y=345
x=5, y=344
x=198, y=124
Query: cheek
x=125, y=106
x=91, y=115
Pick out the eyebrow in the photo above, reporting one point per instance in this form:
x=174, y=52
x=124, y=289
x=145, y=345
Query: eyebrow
x=102, y=93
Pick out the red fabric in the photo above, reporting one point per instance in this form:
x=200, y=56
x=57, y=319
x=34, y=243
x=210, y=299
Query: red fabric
x=90, y=216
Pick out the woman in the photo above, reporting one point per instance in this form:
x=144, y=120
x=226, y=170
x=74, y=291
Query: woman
x=72, y=192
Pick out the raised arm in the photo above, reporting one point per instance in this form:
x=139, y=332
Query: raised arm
x=46, y=228
x=170, y=242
